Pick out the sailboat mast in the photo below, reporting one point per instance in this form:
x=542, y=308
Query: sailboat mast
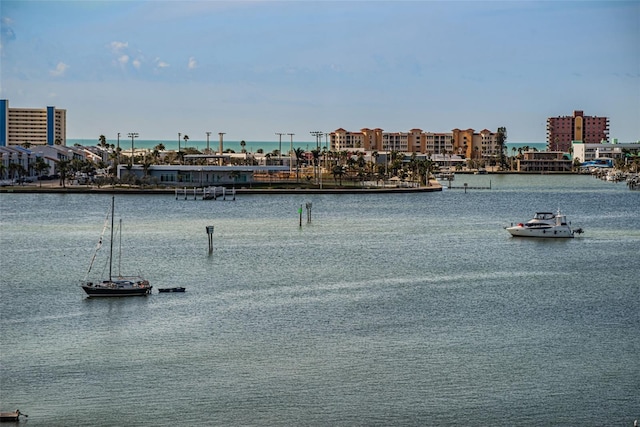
x=120, y=248
x=113, y=201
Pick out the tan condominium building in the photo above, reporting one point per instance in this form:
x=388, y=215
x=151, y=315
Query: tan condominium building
x=32, y=126
x=468, y=143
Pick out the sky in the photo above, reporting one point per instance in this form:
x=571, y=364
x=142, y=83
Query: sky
x=252, y=69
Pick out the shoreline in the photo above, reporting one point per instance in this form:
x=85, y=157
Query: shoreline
x=78, y=189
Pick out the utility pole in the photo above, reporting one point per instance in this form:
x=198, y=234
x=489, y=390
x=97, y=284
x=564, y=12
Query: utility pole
x=291, y=152
x=318, y=135
x=280, y=145
x=221, y=134
x=208, y=134
x=132, y=135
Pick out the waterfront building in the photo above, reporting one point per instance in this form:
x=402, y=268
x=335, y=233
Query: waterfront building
x=544, y=161
x=466, y=143
x=562, y=131
x=439, y=143
x=342, y=140
x=32, y=126
x=205, y=175
x=25, y=158
x=584, y=152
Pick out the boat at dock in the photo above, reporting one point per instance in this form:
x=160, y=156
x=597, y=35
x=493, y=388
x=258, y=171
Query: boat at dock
x=118, y=286
x=176, y=289
x=545, y=225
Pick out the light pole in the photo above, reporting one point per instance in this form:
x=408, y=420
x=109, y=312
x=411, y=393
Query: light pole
x=318, y=135
x=208, y=134
x=221, y=134
x=290, y=151
x=132, y=135
x=280, y=145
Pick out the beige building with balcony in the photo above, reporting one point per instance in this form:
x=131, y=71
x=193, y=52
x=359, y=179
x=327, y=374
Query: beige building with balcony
x=466, y=143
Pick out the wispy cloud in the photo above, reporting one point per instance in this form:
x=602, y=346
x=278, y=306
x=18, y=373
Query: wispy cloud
x=161, y=64
x=6, y=32
x=192, y=63
x=60, y=69
x=117, y=47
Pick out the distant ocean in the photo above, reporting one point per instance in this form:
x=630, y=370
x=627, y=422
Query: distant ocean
x=251, y=146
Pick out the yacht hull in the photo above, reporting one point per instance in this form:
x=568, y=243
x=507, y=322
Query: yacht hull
x=547, y=233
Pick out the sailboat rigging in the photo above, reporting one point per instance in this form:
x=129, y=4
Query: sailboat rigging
x=114, y=287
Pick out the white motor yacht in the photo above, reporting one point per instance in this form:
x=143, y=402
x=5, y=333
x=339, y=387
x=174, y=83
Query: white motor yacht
x=545, y=224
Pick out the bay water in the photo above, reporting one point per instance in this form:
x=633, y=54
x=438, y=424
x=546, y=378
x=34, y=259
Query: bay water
x=385, y=309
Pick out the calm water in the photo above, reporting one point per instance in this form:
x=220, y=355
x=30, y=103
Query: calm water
x=385, y=310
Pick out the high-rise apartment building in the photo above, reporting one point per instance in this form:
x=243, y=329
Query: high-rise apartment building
x=33, y=126
x=562, y=131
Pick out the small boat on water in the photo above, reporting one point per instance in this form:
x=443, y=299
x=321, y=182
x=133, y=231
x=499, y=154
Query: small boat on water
x=119, y=286
x=8, y=417
x=176, y=289
x=546, y=225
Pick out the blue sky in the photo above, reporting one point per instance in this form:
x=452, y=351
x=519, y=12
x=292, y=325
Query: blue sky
x=254, y=68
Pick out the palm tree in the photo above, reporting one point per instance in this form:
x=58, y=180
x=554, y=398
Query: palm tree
x=40, y=167
x=103, y=141
x=147, y=161
x=316, y=156
x=180, y=155
x=63, y=168
x=243, y=144
x=501, y=138
x=338, y=172
x=15, y=170
x=299, y=153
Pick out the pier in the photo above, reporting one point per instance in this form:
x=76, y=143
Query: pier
x=206, y=193
x=466, y=187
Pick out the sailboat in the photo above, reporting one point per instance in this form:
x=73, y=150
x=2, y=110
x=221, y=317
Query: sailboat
x=119, y=286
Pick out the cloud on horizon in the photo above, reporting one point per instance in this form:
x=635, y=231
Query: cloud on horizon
x=60, y=70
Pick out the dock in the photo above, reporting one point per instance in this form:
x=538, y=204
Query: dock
x=466, y=187
x=206, y=193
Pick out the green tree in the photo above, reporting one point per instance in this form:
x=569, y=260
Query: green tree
x=338, y=173
x=501, y=139
x=41, y=167
x=299, y=153
x=64, y=167
x=147, y=161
